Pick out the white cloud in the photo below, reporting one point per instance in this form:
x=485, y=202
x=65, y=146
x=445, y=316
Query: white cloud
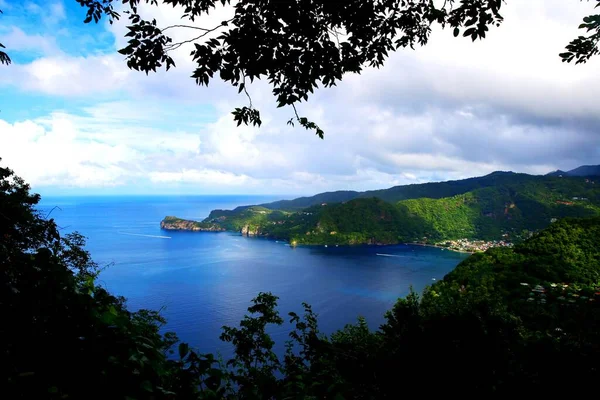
x=75, y=76
x=516, y=67
x=54, y=154
x=450, y=110
x=17, y=40
x=204, y=176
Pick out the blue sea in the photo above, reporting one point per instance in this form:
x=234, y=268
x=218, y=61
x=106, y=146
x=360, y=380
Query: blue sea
x=204, y=280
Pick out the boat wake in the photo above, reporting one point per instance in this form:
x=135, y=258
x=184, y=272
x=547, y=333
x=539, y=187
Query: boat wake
x=389, y=255
x=142, y=235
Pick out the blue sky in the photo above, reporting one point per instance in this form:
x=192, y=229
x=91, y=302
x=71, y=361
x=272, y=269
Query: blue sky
x=75, y=120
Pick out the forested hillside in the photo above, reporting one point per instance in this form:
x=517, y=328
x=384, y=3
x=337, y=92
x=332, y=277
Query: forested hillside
x=500, y=205
x=508, y=208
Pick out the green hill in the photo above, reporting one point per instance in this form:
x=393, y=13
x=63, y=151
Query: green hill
x=359, y=221
x=496, y=206
x=567, y=252
x=509, y=208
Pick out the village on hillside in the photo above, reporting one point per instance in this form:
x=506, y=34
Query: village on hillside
x=473, y=246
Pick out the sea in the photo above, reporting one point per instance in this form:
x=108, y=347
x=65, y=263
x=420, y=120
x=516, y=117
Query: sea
x=201, y=281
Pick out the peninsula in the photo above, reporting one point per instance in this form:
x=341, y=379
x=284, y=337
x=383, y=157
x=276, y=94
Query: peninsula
x=501, y=208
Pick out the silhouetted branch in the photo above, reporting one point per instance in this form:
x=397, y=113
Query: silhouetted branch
x=177, y=45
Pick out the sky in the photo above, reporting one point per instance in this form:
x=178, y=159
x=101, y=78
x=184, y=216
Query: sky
x=74, y=120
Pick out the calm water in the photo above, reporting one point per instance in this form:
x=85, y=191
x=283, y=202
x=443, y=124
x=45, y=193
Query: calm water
x=203, y=281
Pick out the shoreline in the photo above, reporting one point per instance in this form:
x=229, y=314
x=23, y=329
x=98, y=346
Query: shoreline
x=442, y=247
x=266, y=237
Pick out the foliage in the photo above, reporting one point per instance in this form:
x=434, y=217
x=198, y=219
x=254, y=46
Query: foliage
x=252, y=218
x=53, y=311
x=277, y=40
x=583, y=48
x=175, y=223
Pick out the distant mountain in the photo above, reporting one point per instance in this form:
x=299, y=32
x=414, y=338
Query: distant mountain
x=438, y=190
x=584, y=170
x=432, y=190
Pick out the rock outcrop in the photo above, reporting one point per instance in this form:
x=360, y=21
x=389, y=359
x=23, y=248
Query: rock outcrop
x=248, y=230
x=177, y=224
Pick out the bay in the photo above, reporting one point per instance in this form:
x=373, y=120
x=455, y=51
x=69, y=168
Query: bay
x=202, y=280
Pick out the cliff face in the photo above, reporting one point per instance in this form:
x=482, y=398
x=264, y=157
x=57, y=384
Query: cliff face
x=248, y=230
x=176, y=224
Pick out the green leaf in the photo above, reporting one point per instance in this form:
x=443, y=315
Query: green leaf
x=184, y=348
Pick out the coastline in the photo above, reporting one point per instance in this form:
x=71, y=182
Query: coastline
x=186, y=227
x=266, y=237
x=441, y=247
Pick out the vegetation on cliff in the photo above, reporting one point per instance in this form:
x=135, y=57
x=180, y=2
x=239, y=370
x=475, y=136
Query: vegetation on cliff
x=179, y=224
x=499, y=205
x=508, y=321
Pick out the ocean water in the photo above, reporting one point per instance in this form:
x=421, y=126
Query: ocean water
x=204, y=280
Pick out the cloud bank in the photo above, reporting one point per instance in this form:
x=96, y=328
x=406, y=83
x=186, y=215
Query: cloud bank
x=450, y=110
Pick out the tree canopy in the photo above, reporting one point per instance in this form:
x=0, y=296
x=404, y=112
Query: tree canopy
x=299, y=45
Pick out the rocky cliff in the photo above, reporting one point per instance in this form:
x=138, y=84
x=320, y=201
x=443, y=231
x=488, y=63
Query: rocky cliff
x=178, y=224
x=248, y=230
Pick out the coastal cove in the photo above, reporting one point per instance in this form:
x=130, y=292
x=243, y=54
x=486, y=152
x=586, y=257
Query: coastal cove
x=203, y=281
x=472, y=215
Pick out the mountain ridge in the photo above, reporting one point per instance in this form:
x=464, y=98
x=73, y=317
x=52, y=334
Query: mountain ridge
x=396, y=193
x=583, y=171
x=495, y=206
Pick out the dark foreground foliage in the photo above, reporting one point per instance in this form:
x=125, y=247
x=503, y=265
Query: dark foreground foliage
x=510, y=321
